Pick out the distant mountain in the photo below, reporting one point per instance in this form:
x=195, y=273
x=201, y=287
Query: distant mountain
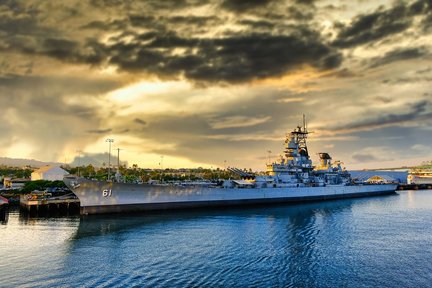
x=16, y=162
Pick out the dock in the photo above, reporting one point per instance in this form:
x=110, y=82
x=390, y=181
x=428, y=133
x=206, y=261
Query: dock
x=36, y=203
x=414, y=186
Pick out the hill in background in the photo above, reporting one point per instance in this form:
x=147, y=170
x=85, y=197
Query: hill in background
x=16, y=162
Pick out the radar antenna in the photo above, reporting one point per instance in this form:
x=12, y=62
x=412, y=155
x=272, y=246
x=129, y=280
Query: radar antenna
x=300, y=134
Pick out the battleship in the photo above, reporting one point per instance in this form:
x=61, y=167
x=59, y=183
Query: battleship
x=290, y=178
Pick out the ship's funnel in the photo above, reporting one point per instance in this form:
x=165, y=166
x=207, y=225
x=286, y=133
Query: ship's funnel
x=325, y=159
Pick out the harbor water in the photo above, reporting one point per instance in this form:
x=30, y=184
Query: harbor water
x=368, y=242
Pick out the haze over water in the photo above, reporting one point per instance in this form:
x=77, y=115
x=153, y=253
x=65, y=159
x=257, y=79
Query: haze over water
x=369, y=242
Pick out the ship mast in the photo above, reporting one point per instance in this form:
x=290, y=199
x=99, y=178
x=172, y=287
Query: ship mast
x=300, y=135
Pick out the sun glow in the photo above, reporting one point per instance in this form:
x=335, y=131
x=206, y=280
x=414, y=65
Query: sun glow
x=141, y=90
x=300, y=81
x=20, y=149
x=134, y=150
x=147, y=97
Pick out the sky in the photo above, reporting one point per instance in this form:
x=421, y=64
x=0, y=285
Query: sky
x=188, y=83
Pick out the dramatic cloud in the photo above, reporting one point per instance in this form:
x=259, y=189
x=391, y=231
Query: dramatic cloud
x=416, y=112
x=234, y=58
x=200, y=82
x=399, y=55
x=166, y=49
x=382, y=23
x=140, y=121
x=240, y=6
x=100, y=131
x=364, y=157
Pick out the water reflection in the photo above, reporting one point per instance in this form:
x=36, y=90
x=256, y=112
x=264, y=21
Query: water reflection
x=296, y=216
x=4, y=215
x=280, y=241
x=326, y=244
x=34, y=218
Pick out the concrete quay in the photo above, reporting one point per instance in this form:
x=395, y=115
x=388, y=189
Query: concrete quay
x=36, y=203
x=414, y=186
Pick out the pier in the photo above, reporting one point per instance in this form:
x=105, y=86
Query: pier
x=37, y=203
x=414, y=186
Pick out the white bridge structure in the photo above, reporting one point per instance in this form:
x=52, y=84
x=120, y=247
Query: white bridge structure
x=382, y=176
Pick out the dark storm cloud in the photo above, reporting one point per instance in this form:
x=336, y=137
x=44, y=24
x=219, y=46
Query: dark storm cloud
x=106, y=25
x=260, y=24
x=418, y=111
x=299, y=13
x=242, y=6
x=99, y=131
x=399, y=55
x=142, y=21
x=427, y=23
x=24, y=25
x=236, y=58
x=192, y=20
x=24, y=33
x=60, y=48
x=372, y=27
x=91, y=52
x=175, y=4
x=305, y=2
x=243, y=58
x=168, y=50
x=342, y=73
x=140, y=121
x=107, y=3
x=368, y=28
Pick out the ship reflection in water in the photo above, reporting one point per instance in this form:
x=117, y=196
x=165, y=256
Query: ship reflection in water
x=97, y=225
x=228, y=247
x=368, y=242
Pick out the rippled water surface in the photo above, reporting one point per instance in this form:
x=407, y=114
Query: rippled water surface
x=369, y=242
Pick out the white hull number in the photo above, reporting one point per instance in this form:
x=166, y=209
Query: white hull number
x=106, y=193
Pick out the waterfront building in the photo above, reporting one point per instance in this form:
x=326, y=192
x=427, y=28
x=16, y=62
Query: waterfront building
x=51, y=173
x=14, y=183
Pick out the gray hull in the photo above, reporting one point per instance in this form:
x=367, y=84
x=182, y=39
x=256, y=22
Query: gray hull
x=108, y=197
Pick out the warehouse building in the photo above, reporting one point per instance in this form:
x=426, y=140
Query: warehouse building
x=51, y=173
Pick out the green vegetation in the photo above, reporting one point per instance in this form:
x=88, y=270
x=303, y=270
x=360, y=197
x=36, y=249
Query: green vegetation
x=134, y=173
x=131, y=175
x=41, y=185
x=425, y=165
x=16, y=172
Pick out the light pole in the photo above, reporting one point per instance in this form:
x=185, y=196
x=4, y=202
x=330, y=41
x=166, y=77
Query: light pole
x=117, y=175
x=161, y=165
x=225, y=169
x=118, y=158
x=109, y=157
x=79, y=161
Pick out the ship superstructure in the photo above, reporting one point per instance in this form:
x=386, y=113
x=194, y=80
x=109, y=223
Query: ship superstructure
x=291, y=178
x=294, y=168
